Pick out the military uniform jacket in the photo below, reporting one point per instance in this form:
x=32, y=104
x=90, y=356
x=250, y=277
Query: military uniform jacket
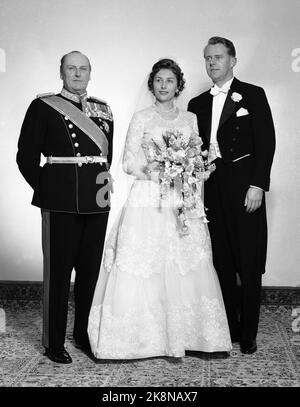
x=238, y=135
x=63, y=187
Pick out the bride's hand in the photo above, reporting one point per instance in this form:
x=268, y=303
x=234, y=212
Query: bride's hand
x=147, y=174
x=141, y=175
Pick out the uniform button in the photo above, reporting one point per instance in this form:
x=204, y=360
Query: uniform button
x=76, y=144
x=66, y=118
x=70, y=126
x=237, y=128
x=73, y=135
x=79, y=164
x=78, y=155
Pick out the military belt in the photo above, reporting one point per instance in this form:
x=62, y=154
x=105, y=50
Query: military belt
x=77, y=160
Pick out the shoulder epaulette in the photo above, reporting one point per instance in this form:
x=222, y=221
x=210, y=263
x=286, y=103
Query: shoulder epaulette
x=94, y=99
x=44, y=95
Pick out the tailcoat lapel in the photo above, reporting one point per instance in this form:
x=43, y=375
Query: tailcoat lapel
x=230, y=106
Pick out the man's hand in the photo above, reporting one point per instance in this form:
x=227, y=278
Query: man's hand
x=253, y=199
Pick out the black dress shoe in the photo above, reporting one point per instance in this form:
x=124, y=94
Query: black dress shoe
x=58, y=356
x=248, y=347
x=83, y=346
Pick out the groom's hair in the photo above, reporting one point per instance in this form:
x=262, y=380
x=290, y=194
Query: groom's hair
x=227, y=43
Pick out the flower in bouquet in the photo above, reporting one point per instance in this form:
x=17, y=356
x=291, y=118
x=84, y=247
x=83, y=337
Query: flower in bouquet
x=182, y=165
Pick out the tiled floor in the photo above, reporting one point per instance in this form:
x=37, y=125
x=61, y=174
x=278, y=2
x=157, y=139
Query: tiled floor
x=22, y=364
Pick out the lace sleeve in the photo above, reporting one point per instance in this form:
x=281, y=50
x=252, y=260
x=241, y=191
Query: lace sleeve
x=133, y=153
x=195, y=128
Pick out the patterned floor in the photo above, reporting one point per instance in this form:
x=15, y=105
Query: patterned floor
x=275, y=364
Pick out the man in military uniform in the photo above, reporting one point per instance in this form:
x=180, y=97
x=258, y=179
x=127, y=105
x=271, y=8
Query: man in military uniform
x=74, y=132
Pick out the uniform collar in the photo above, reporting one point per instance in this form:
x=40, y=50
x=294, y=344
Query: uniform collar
x=72, y=96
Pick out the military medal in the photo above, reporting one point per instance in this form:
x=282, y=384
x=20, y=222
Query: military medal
x=106, y=126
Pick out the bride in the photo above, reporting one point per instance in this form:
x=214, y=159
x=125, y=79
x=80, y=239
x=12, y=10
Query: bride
x=157, y=293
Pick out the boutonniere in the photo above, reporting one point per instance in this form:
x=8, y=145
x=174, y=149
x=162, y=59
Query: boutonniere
x=236, y=97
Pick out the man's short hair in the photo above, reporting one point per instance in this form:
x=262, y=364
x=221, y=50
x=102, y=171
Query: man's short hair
x=72, y=52
x=221, y=40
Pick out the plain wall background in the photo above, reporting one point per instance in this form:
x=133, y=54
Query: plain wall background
x=123, y=38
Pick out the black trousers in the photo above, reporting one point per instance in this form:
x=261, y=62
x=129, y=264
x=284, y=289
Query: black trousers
x=70, y=241
x=239, y=244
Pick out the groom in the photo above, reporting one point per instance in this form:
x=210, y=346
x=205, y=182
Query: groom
x=236, y=126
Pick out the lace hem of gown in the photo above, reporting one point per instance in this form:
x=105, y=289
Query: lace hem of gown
x=164, y=330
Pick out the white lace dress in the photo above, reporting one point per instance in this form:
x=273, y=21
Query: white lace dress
x=157, y=293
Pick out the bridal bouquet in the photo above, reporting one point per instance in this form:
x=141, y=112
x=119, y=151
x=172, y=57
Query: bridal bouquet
x=182, y=165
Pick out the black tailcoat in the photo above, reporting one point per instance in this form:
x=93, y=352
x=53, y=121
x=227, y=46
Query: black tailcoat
x=239, y=239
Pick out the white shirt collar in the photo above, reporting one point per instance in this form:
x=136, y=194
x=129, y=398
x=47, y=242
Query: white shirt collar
x=216, y=90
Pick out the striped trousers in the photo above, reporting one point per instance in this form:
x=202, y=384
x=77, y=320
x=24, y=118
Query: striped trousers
x=70, y=241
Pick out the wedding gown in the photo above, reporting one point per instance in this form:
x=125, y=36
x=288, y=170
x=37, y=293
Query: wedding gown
x=157, y=293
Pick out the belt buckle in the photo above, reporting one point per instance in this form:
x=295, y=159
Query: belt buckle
x=89, y=160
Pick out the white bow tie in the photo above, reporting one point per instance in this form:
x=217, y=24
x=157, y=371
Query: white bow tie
x=215, y=90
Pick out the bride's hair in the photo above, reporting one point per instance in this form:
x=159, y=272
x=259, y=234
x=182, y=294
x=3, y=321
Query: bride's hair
x=167, y=63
